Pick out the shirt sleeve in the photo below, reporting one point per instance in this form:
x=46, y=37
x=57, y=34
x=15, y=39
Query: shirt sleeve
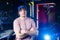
x=16, y=27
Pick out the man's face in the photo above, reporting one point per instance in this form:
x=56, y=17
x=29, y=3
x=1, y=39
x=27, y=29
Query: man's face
x=22, y=12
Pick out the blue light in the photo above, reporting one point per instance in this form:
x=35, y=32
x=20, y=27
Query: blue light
x=47, y=37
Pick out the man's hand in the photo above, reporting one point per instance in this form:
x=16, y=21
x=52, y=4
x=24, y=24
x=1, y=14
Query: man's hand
x=23, y=34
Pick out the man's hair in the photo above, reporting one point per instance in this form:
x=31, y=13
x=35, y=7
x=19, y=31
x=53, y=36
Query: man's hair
x=22, y=7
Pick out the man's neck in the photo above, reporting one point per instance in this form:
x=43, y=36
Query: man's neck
x=23, y=18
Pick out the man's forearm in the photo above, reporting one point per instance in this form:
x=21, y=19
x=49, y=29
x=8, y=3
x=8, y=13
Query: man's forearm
x=20, y=35
x=31, y=32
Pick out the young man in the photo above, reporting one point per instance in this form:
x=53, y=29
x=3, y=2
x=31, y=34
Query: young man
x=24, y=27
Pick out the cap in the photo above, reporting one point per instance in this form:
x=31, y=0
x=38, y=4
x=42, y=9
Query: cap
x=22, y=6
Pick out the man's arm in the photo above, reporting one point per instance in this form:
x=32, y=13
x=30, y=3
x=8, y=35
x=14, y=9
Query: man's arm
x=16, y=27
x=33, y=30
x=17, y=30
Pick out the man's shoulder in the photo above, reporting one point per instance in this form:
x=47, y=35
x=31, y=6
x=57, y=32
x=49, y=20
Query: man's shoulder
x=16, y=19
x=30, y=19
